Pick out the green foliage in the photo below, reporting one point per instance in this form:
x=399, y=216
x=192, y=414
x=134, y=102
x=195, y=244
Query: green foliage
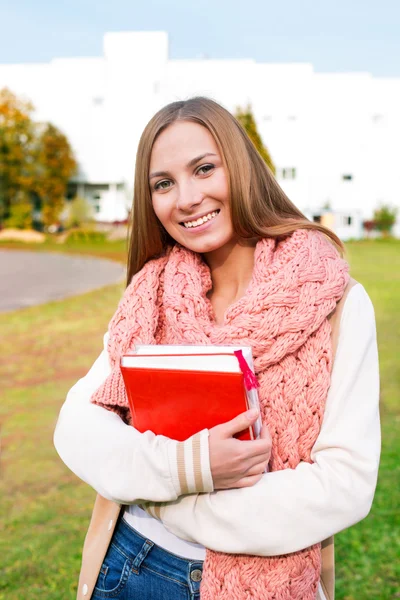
x=17, y=144
x=57, y=164
x=385, y=218
x=246, y=119
x=35, y=160
x=79, y=211
x=85, y=235
x=20, y=212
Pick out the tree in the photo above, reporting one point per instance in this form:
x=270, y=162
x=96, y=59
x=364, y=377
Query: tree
x=36, y=161
x=17, y=143
x=56, y=164
x=385, y=218
x=247, y=120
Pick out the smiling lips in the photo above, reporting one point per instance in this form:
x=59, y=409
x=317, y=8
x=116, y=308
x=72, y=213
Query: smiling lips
x=201, y=220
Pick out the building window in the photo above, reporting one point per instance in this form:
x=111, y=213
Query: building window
x=96, y=202
x=317, y=218
x=347, y=177
x=347, y=221
x=287, y=173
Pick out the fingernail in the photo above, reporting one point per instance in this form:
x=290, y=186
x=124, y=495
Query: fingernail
x=252, y=413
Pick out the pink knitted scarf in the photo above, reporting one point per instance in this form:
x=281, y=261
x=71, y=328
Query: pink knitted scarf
x=295, y=285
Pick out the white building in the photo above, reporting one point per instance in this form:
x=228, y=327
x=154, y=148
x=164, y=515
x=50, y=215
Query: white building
x=333, y=136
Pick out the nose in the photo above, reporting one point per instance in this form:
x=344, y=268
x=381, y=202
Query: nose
x=188, y=197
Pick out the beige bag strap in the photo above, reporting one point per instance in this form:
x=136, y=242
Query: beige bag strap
x=328, y=546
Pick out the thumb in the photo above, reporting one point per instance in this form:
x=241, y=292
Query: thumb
x=239, y=423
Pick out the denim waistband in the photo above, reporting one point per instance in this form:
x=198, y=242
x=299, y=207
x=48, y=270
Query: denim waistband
x=145, y=552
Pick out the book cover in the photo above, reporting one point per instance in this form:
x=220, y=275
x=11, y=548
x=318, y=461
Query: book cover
x=177, y=391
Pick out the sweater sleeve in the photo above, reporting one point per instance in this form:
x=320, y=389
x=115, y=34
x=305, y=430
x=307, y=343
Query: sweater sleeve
x=292, y=509
x=120, y=463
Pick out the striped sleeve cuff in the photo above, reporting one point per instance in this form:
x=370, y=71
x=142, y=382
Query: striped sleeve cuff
x=189, y=463
x=154, y=509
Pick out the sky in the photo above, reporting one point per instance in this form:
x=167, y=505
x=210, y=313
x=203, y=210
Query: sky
x=333, y=35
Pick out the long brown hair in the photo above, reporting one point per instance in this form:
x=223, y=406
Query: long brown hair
x=259, y=207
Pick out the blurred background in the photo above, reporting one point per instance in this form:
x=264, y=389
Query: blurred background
x=317, y=87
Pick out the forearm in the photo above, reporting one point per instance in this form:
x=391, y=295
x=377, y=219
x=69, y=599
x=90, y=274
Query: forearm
x=285, y=512
x=292, y=509
x=120, y=463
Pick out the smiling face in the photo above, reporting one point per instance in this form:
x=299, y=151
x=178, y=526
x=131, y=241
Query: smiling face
x=189, y=187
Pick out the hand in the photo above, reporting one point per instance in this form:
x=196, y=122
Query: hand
x=237, y=463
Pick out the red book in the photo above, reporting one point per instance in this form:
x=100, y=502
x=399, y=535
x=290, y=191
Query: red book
x=177, y=391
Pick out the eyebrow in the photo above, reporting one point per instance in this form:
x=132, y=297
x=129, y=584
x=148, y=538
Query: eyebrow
x=191, y=163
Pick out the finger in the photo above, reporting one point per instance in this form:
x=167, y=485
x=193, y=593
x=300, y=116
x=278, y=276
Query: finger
x=258, y=469
x=248, y=481
x=254, y=448
x=265, y=434
x=240, y=423
x=259, y=462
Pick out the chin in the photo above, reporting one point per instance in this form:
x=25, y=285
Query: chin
x=205, y=246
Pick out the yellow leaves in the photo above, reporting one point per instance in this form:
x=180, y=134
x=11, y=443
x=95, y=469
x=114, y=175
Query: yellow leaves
x=248, y=122
x=35, y=158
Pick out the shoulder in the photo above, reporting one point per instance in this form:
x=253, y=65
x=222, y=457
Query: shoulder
x=356, y=305
x=354, y=315
x=351, y=284
x=354, y=292
x=354, y=297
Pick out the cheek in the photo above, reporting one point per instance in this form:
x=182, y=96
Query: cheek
x=158, y=207
x=162, y=210
x=221, y=187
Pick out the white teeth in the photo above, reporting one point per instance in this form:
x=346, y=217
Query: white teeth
x=201, y=220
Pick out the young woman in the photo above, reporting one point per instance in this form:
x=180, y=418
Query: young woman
x=219, y=255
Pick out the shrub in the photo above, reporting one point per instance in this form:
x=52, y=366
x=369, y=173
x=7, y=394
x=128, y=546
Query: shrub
x=20, y=216
x=85, y=235
x=79, y=211
x=385, y=218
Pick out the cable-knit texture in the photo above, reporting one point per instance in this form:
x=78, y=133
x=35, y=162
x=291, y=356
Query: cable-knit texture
x=296, y=283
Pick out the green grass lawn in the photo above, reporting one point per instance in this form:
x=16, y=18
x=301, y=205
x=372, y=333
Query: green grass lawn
x=45, y=509
x=113, y=250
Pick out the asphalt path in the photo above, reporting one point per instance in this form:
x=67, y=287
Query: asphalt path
x=29, y=278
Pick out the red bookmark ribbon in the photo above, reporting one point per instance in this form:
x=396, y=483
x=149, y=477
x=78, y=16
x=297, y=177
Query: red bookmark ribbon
x=250, y=380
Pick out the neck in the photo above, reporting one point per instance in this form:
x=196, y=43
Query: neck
x=231, y=268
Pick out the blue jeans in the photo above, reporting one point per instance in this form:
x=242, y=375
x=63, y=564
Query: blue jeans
x=135, y=568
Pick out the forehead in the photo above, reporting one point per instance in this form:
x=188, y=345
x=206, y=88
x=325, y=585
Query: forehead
x=181, y=142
